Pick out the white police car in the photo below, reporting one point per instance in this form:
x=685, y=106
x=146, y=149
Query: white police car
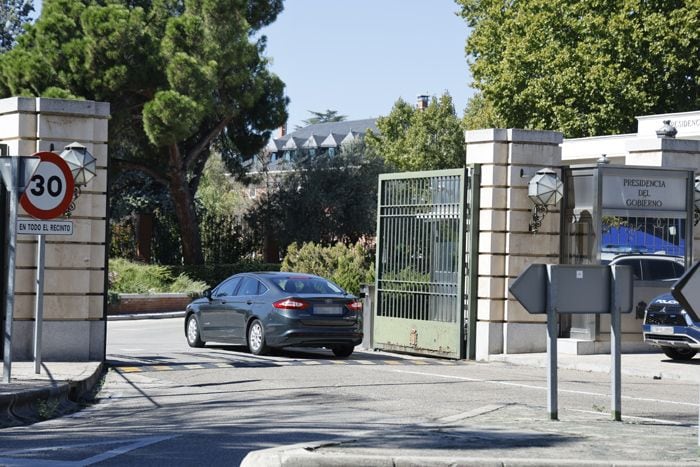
x=668, y=326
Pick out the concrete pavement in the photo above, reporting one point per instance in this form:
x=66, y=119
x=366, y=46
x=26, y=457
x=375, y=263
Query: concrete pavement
x=520, y=435
x=503, y=435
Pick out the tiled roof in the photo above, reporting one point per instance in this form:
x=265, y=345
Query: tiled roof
x=338, y=128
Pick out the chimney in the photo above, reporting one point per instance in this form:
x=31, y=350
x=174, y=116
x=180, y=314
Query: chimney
x=283, y=130
x=422, y=101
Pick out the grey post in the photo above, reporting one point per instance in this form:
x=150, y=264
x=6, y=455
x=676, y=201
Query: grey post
x=616, y=373
x=39, y=305
x=552, y=335
x=11, y=258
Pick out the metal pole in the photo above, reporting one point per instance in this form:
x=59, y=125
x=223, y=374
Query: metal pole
x=10, y=288
x=616, y=373
x=552, y=334
x=39, y=308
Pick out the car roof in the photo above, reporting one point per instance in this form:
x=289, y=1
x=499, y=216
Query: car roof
x=271, y=274
x=649, y=256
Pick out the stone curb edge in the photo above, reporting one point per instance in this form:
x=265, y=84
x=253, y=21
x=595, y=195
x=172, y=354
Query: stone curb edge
x=305, y=455
x=23, y=407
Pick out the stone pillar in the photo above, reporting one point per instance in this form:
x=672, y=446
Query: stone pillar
x=74, y=287
x=509, y=158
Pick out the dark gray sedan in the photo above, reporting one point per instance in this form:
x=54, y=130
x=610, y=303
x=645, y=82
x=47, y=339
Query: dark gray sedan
x=265, y=310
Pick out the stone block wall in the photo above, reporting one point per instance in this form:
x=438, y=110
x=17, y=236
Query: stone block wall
x=74, y=289
x=509, y=158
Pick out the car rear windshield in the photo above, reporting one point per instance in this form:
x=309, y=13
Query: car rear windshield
x=306, y=284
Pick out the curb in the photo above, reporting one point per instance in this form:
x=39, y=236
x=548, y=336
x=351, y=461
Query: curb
x=31, y=405
x=304, y=455
x=162, y=315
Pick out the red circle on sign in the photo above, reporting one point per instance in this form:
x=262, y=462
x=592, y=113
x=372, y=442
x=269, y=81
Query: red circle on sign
x=38, y=187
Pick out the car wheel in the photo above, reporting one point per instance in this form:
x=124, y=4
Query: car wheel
x=679, y=354
x=194, y=338
x=343, y=350
x=256, y=338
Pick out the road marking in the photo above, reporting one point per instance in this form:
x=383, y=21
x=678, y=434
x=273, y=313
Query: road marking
x=644, y=419
x=146, y=366
x=194, y=367
x=472, y=413
x=543, y=388
x=25, y=461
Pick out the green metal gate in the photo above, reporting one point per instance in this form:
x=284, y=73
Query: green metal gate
x=423, y=257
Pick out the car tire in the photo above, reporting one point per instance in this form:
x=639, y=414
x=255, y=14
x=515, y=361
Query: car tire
x=343, y=351
x=256, y=338
x=194, y=338
x=679, y=354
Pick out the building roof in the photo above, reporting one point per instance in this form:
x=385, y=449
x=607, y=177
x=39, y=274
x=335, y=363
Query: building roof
x=337, y=128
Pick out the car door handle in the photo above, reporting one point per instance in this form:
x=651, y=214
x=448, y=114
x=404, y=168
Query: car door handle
x=249, y=302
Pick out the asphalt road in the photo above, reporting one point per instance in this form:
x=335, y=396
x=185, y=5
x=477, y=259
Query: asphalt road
x=163, y=403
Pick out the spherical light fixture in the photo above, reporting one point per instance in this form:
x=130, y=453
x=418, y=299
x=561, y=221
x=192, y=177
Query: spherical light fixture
x=545, y=190
x=82, y=164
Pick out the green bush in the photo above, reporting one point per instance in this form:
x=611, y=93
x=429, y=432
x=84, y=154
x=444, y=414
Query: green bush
x=346, y=266
x=128, y=277
x=212, y=274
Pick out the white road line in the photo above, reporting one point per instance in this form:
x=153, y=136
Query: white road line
x=644, y=419
x=129, y=445
x=544, y=388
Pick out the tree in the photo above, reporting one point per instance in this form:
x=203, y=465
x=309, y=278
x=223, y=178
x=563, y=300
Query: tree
x=583, y=68
x=414, y=139
x=323, y=117
x=324, y=200
x=183, y=78
x=13, y=15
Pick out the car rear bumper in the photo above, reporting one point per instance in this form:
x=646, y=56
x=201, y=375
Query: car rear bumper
x=315, y=337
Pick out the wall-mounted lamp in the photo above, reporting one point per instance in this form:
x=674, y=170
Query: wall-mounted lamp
x=83, y=167
x=696, y=201
x=82, y=164
x=545, y=190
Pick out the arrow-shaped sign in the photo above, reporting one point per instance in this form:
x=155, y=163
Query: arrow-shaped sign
x=687, y=289
x=530, y=288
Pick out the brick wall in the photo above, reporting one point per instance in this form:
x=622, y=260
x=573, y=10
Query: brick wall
x=141, y=303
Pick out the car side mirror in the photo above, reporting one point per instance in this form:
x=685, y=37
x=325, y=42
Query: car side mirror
x=207, y=294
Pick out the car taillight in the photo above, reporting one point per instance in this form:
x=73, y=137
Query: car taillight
x=355, y=305
x=291, y=304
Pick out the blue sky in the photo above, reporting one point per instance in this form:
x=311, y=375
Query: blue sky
x=358, y=57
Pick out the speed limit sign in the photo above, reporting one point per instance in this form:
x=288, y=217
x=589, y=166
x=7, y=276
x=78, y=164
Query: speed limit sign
x=50, y=190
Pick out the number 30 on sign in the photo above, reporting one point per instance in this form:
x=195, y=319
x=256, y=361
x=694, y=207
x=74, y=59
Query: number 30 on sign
x=50, y=190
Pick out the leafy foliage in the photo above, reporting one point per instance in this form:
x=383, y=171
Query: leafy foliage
x=13, y=15
x=347, y=266
x=583, y=68
x=212, y=274
x=414, y=139
x=183, y=79
x=128, y=277
x=324, y=200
